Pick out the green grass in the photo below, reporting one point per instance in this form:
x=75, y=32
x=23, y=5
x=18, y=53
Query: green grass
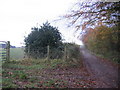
x=16, y=53
x=29, y=73
x=7, y=83
x=27, y=70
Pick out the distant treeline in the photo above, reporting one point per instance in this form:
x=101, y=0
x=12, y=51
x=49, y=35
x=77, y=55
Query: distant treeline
x=4, y=46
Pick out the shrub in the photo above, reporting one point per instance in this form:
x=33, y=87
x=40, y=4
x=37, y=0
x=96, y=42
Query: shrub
x=73, y=55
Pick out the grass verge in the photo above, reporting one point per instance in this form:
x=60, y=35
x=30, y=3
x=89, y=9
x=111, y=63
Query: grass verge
x=31, y=73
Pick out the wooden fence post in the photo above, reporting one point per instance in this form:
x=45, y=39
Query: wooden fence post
x=65, y=53
x=28, y=53
x=8, y=51
x=48, y=52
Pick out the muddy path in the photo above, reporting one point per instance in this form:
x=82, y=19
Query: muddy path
x=105, y=73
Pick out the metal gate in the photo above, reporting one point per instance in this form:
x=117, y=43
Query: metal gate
x=4, y=51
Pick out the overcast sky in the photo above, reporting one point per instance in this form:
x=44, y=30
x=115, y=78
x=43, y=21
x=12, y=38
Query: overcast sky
x=18, y=16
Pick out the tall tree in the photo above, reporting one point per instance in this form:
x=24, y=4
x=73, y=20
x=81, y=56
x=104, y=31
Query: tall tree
x=38, y=40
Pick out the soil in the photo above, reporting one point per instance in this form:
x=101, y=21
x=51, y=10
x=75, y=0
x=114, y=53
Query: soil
x=104, y=71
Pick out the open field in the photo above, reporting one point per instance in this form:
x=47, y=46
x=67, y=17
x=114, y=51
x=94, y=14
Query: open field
x=16, y=53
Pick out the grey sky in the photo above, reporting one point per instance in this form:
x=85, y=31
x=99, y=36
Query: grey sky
x=18, y=16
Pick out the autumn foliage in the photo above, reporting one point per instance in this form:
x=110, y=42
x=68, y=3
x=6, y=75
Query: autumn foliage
x=103, y=40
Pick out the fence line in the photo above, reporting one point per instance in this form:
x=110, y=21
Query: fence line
x=66, y=52
x=51, y=53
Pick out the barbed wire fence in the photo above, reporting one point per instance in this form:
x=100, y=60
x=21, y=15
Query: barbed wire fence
x=45, y=53
x=67, y=52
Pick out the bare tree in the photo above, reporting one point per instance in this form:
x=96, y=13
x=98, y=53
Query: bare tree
x=87, y=14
